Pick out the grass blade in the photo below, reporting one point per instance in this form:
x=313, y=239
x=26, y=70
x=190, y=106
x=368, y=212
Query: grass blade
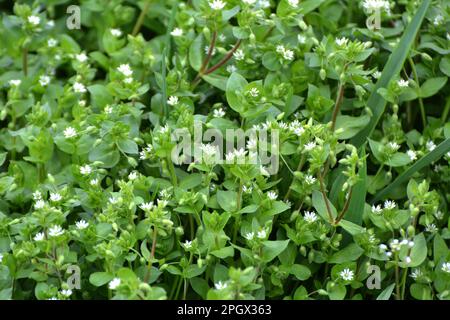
x=434, y=155
x=386, y=294
x=392, y=68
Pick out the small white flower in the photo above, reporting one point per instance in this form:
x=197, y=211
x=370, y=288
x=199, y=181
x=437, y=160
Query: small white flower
x=389, y=254
x=309, y=146
x=246, y=189
x=254, y=92
x=342, y=41
x=301, y=39
x=1, y=258
x=430, y=145
x=37, y=195
x=389, y=205
x=82, y=224
x=85, y=170
x=177, y=32
x=410, y=244
x=70, y=132
x=249, y=236
x=438, y=20
x=66, y=293
x=128, y=80
x=39, y=204
x=408, y=260
x=309, y=179
x=162, y=203
x=15, y=83
x=218, y=113
x=376, y=5
x=220, y=285
x=44, y=80
x=164, y=129
x=39, y=236
x=239, y=55
x=416, y=273
x=34, y=20
x=376, y=209
x=446, y=267
x=376, y=74
x=310, y=217
x=431, y=228
x=403, y=83
x=52, y=42
x=272, y=195
x=114, y=284
x=250, y=2
x=55, y=231
x=132, y=176
x=262, y=234
x=82, y=57
x=288, y=55
x=293, y=3
x=113, y=200
x=217, y=4
x=412, y=154
x=125, y=69
x=187, y=244
x=383, y=247
x=393, y=146
x=116, y=32
x=231, y=68
x=252, y=144
x=347, y=274
x=79, y=87
x=55, y=197
x=146, y=206
x=439, y=215
x=172, y=101
x=50, y=24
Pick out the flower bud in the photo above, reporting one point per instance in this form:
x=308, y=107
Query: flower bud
x=322, y=74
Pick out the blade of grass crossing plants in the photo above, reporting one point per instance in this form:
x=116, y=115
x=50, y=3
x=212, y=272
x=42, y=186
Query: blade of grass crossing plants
x=357, y=202
x=393, y=66
x=434, y=155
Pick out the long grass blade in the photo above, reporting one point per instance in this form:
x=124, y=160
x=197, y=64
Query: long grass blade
x=432, y=156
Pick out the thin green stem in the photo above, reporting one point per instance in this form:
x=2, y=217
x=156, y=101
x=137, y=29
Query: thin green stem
x=405, y=273
x=141, y=18
x=446, y=111
x=25, y=61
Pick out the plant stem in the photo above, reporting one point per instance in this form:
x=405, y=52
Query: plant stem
x=397, y=279
x=337, y=105
x=416, y=78
x=446, y=111
x=238, y=207
x=208, y=57
x=345, y=208
x=141, y=18
x=405, y=273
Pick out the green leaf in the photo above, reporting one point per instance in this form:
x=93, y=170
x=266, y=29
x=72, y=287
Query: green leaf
x=196, y=53
x=223, y=252
x=320, y=205
x=350, y=253
x=99, y=279
x=420, y=291
x=418, y=252
x=430, y=157
x=300, y=272
x=271, y=249
x=386, y=293
x=350, y=126
x=351, y=227
x=392, y=68
x=227, y=200
x=234, y=91
x=440, y=249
